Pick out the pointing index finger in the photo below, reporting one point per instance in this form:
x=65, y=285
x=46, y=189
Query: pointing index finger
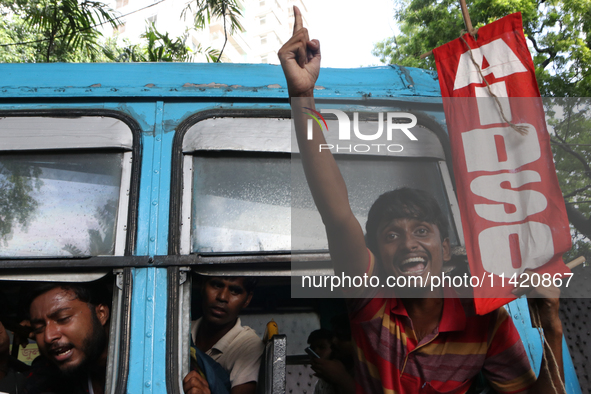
x=298, y=24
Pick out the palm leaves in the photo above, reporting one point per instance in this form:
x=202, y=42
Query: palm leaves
x=206, y=10
x=66, y=31
x=67, y=25
x=159, y=48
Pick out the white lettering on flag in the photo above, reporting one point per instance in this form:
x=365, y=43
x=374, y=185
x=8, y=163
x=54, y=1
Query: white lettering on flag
x=501, y=63
x=535, y=245
x=519, y=149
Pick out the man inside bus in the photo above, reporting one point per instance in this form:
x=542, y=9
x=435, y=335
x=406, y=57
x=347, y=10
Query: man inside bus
x=421, y=340
x=220, y=335
x=70, y=325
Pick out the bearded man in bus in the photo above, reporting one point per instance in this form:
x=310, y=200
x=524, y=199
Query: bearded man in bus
x=70, y=324
x=423, y=339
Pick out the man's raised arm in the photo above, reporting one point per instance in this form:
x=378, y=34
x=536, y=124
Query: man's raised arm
x=300, y=60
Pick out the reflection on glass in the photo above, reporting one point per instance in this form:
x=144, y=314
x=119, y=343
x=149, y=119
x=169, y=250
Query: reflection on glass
x=59, y=204
x=241, y=204
x=262, y=203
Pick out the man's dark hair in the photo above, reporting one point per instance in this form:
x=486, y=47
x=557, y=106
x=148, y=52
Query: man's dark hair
x=317, y=335
x=249, y=282
x=92, y=293
x=403, y=203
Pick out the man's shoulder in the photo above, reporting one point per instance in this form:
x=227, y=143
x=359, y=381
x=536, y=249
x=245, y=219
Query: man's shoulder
x=469, y=308
x=363, y=309
x=247, y=337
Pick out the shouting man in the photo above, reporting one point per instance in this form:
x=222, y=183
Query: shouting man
x=70, y=326
x=422, y=340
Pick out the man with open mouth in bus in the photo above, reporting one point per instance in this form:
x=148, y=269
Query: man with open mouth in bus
x=70, y=326
x=423, y=340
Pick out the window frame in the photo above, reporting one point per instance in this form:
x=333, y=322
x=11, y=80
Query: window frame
x=128, y=207
x=179, y=202
x=120, y=313
x=51, y=268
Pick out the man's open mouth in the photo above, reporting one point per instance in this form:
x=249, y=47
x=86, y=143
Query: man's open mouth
x=413, y=265
x=62, y=353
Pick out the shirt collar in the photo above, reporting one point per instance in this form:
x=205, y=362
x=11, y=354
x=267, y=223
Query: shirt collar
x=453, y=317
x=224, y=343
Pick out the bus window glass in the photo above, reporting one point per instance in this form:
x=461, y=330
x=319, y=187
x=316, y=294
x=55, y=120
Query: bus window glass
x=260, y=202
x=59, y=204
x=366, y=179
x=241, y=204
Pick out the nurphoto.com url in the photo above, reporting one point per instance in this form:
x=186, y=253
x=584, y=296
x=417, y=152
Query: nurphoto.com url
x=516, y=280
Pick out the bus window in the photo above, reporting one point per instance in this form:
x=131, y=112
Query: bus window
x=103, y=286
x=242, y=192
x=295, y=318
x=65, y=189
x=244, y=204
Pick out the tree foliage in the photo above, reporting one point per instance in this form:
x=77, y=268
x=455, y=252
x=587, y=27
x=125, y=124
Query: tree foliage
x=558, y=31
x=570, y=122
x=228, y=11
x=59, y=30
x=159, y=47
x=67, y=31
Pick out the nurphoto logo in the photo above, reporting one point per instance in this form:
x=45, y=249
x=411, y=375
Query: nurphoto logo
x=344, y=131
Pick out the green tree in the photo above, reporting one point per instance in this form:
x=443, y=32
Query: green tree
x=66, y=31
x=206, y=10
x=559, y=36
x=558, y=31
x=58, y=30
x=158, y=48
x=14, y=30
x=570, y=120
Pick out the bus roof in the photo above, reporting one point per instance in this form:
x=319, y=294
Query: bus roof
x=166, y=80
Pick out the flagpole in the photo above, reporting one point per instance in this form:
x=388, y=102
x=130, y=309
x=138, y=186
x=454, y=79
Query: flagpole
x=466, y=16
x=467, y=24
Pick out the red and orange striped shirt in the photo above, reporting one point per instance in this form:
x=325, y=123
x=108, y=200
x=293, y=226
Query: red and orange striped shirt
x=391, y=360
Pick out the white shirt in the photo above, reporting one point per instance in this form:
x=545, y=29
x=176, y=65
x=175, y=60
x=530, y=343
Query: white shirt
x=239, y=352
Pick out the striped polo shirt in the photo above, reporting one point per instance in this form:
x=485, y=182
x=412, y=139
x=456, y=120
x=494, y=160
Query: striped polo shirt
x=391, y=360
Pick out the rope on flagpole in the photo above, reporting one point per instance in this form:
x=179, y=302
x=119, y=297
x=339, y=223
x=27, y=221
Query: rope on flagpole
x=538, y=324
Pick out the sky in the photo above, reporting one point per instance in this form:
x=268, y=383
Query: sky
x=348, y=29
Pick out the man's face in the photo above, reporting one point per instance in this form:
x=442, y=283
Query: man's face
x=322, y=348
x=69, y=333
x=223, y=299
x=409, y=247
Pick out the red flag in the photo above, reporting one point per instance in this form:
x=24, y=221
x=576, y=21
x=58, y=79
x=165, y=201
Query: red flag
x=513, y=213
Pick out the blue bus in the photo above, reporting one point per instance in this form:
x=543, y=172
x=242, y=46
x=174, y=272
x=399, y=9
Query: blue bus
x=151, y=175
